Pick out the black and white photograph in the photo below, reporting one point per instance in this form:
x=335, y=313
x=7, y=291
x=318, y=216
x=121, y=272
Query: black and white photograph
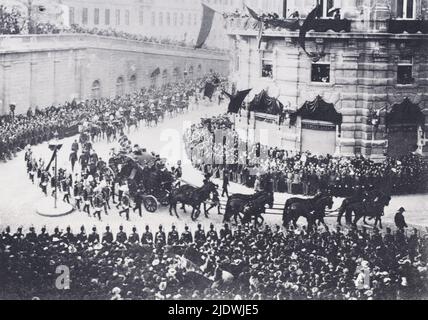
x=213, y=150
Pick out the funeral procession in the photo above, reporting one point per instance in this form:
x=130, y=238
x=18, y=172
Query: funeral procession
x=239, y=150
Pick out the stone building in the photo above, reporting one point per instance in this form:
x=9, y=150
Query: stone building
x=372, y=69
x=175, y=19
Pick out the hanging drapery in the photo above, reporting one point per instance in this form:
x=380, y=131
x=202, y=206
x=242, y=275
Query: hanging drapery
x=318, y=110
x=262, y=103
x=405, y=113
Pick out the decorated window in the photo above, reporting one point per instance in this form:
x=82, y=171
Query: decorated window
x=406, y=9
x=320, y=72
x=267, y=64
x=405, y=71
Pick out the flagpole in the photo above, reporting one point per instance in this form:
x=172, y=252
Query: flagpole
x=56, y=181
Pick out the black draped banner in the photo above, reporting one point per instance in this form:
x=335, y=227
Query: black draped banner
x=405, y=113
x=237, y=100
x=262, y=103
x=318, y=110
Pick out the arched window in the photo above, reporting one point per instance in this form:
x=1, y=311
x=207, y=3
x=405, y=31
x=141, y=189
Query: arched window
x=165, y=76
x=133, y=83
x=96, y=89
x=120, y=88
x=176, y=74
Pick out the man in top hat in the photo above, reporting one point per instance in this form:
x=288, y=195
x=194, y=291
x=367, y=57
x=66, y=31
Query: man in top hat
x=400, y=221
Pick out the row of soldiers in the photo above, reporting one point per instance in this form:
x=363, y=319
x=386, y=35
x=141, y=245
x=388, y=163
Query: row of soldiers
x=159, y=239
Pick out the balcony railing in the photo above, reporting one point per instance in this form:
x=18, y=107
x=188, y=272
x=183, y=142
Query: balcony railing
x=409, y=26
x=337, y=25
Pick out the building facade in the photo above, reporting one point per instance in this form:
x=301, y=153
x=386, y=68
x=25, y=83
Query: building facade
x=372, y=67
x=178, y=20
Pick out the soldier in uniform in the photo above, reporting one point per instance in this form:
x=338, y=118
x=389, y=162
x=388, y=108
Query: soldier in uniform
x=186, y=237
x=43, y=236
x=134, y=237
x=82, y=237
x=400, y=221
x=31, y=236
x=108, y=236
x=212, y=234
x=173, y=237
x=200, y=237
x=147, y=237
x=225, y=232
x=56, y=235
x=69, y=236
x=121, y=236
x=94, y=237
x=160, y=237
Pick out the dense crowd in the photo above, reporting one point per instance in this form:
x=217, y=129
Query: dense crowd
x=10, y=21
x=235, y=263
x=40, y=125
x=297, y=173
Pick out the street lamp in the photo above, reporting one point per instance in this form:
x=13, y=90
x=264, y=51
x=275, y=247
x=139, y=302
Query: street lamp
x=55, y=147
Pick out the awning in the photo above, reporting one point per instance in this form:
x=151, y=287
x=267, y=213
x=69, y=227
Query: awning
x=405, y=113
x=262, y=103
x=319, y=110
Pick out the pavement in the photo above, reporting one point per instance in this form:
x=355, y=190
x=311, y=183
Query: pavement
x=19, y=198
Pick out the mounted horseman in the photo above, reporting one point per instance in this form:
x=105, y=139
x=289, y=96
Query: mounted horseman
x=257, y=207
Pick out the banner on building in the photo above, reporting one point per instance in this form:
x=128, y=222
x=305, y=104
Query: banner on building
x=206, y=25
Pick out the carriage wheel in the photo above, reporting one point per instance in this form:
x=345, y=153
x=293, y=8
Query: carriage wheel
x=150, y=204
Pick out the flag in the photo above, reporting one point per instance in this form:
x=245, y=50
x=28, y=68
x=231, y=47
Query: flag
x=255, y=16
x=209, y=90
x=155, y=73
x=237, y=100
x=207, y=23
x=307, y=24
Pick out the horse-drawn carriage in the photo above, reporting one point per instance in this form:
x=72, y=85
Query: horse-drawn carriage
x=147, y=179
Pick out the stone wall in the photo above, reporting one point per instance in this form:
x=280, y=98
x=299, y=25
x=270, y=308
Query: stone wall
x=47, y=70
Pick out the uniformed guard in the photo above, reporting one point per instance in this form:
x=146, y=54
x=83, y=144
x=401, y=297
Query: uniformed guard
x=69, y=236
x=186, y=237
x=82, y=237
x=94, y=237
x=134, y=237
x=400, y=221
x=43, y=236
x=121, y=236
x=212, y=234
x=173, y=237
x=147, y=237
x=31, y=236
x=108, y=236
x=160, y=237
x=225, y=232
x=200, y=237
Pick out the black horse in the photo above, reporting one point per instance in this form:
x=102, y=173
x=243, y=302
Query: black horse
x=192, y=196
x=257, y=207
x=236, y=204
x=370, y=209
x=312, y=209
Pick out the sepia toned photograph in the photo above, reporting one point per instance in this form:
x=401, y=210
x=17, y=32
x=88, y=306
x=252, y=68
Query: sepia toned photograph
x=213, y=150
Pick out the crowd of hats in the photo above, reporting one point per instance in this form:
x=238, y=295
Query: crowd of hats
x=18, y=131
x=296, y=172
x=236, y=263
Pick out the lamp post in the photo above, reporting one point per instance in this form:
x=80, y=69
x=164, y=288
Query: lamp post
x=55, y=147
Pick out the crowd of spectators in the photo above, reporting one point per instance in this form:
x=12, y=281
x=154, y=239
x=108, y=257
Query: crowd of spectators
x=40, y=125
x=295, y=172
x=10, y=21
x=235, y=263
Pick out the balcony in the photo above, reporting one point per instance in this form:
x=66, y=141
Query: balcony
x=408, y=26
x=337, y=25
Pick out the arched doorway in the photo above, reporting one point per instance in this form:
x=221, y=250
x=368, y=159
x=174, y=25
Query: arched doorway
x=96, y=89
x=320, y=127
x=120, y=88
x=154, y=76
x=133, y=83
x=403, y=125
